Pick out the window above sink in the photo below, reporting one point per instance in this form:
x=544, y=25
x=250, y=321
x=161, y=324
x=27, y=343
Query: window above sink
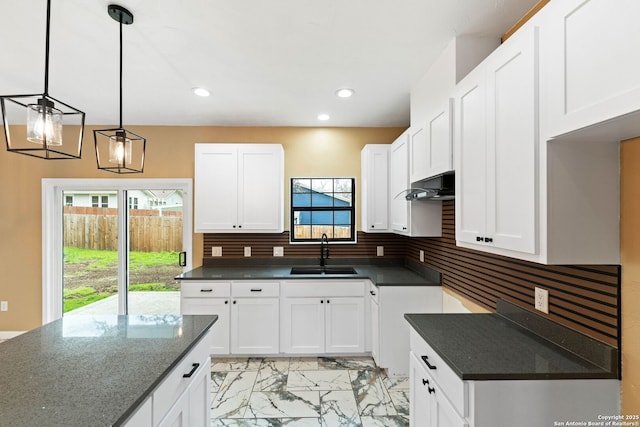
x=322, y=206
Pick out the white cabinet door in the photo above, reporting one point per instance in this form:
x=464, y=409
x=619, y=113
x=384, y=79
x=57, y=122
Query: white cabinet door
x=496, y=141
x=239, y=188
x=440, y=141
x=260, y=188
x=375, y=332
x=255, y=326
x=418, y=153
x=591, y=60
x=432, y=145
x=471, y=164
x=419, y=399
x=303, y=325
x=375, y=187
x=398, y=182
x=344, y=322
x=512, y=142
x=178, y=415
x=215, y=189
x=200, y=396
x=219, y=307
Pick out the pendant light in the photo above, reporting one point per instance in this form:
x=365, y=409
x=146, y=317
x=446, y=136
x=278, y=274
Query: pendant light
x=119, y=150
x=54, y=129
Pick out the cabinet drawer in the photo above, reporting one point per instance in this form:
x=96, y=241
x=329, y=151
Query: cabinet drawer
x=256, y=289
x=451, y=384
x=205, y=289
x=323, y=288
x=175, y=383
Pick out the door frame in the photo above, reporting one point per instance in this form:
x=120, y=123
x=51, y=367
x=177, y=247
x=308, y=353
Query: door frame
x=52, y=230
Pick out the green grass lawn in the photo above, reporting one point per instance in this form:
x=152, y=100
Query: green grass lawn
x=96, y=260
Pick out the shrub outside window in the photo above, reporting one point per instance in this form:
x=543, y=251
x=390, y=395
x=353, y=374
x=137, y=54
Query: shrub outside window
x=322, y=206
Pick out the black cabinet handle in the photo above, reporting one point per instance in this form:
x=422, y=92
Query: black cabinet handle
x=425, y=382
x=328, y=301
x=321, y=301
x=431, y=390
x=234, y=226
x=239, y=226
x=488, y=239
x=479, y=239
x=256, y=289
x=193, y=370
x=182, y=259
x=425, y=359
x=206, y=290
x=372, y=293
x=373, y=226
x=234, y=302
x=226, y=301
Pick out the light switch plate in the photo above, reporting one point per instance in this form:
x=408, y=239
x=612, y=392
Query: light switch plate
x=278, y=251
x=421, y=255
x=380, y=251
x=4, y=305
x=542, y=300
x=216, y=250
x=247, y=251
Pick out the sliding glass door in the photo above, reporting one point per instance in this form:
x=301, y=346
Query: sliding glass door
x=122, y=243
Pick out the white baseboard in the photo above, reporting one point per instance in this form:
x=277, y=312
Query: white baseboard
x=5, y=335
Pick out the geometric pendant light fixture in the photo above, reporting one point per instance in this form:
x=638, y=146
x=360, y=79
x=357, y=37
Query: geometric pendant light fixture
x=53, y=130
x=119, y=150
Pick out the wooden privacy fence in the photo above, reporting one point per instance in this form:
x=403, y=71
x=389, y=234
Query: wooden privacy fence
x=97, y=228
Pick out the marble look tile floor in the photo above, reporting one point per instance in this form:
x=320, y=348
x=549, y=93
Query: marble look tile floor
x=302, y=392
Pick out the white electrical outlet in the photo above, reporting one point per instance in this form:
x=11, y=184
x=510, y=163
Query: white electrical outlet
x=4, y=305
x=542, y=300
x=216, y=250
x=380, y=251
x=278, y=251
x=247, y=251
x=421, y=255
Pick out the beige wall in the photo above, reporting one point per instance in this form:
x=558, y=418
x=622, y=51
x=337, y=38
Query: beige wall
x=630, y=259
x=308, y=151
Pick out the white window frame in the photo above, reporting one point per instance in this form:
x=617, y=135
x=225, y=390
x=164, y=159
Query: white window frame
x=52, y=230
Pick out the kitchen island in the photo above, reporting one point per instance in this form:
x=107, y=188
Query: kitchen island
x=93, y=370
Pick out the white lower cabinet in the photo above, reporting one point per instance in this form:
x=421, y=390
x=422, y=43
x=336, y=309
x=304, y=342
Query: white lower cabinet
x=182, y=398
x=323, y=317
x=254, y=326
x=440, y=398
x=210, y=298
x=389, y=329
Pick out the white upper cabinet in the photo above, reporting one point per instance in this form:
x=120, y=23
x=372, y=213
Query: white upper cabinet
x=431, y=140
x=416, y=219
x=517, y=193
x=375, y=188
x=496, y=141
x=239, y=188
x=431, y=145
x=592, y=63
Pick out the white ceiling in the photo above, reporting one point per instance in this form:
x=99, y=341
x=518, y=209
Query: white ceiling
x=265, y=62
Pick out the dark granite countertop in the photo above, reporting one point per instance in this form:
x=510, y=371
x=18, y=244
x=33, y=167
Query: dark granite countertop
x=497, y=347
x=91, y=370
x=380, y=275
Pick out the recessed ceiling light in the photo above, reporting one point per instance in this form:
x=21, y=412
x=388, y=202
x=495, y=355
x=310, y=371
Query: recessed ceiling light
x=200, y=91
x=323, y=117
x=344, y=93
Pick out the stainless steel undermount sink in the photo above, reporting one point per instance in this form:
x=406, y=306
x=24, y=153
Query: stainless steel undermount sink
x=323, y=270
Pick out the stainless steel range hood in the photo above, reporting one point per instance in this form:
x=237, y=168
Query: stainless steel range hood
x=441, y=187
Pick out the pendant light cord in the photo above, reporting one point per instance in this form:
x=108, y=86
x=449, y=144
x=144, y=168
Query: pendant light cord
x=121, y=18
x=46, y=50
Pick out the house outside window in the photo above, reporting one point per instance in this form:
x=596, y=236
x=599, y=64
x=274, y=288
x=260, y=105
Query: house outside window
x=100, y=201
x=322, y=206
x=133, y=203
